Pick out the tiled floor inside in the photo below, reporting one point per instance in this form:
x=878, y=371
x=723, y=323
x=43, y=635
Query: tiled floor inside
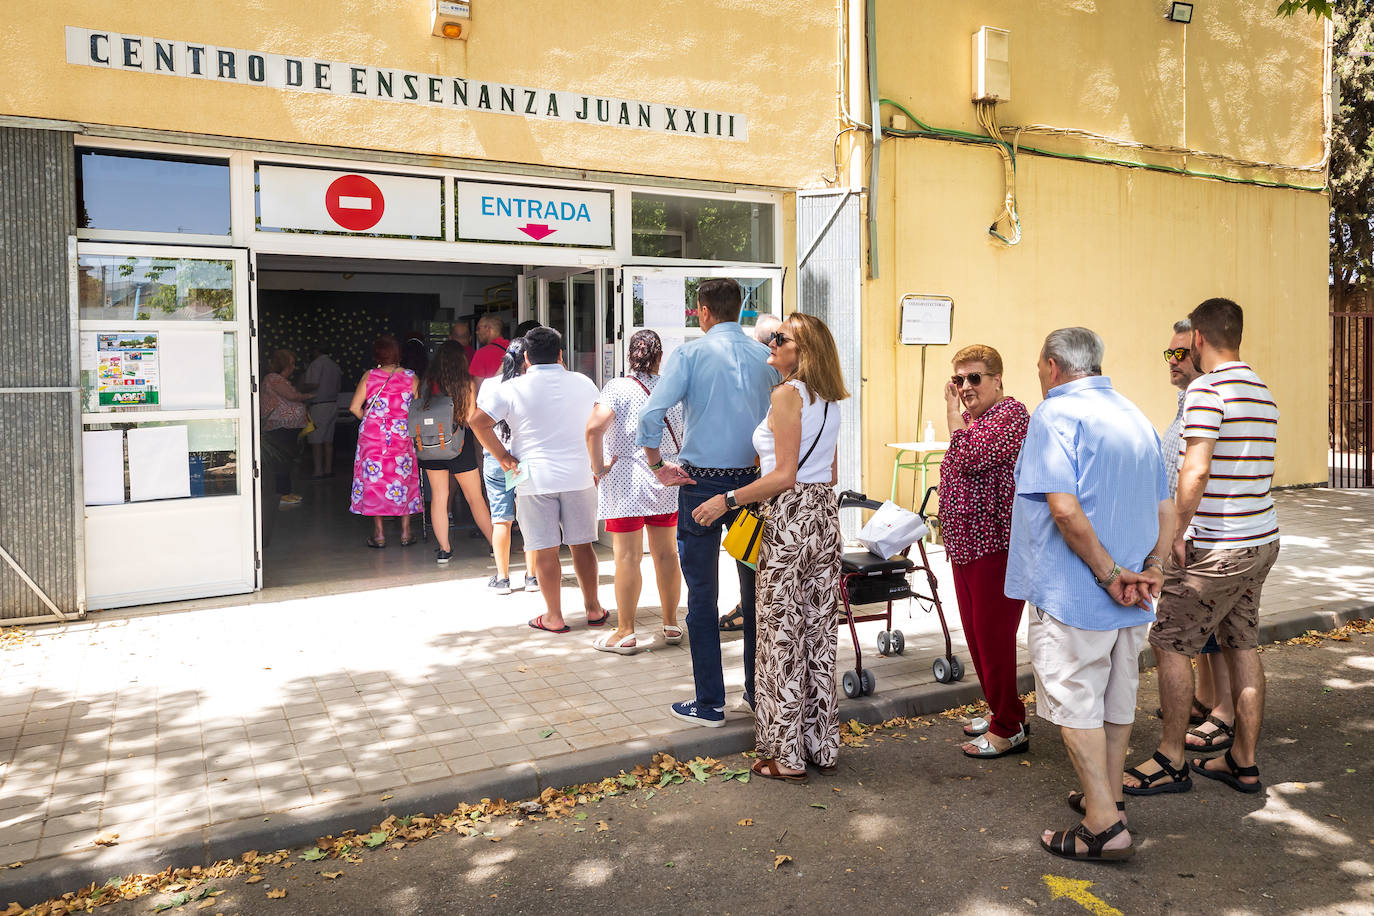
x=161, y=719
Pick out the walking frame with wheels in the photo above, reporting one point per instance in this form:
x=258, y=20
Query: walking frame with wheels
x=867, y=579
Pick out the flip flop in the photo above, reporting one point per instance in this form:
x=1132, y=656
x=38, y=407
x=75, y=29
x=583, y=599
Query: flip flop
x=373, y=542
x=600, y=621
x=1231, y=775
x=732, y=621
x=538, y=624
x=768, y=768
x=606, y=643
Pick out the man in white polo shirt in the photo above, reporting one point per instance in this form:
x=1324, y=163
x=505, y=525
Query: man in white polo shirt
x=1227, y=541
x=555, y=500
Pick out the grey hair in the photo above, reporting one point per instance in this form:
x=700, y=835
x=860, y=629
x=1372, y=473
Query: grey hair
x=1183, y=326
x=1077, y=351
x=765, y=325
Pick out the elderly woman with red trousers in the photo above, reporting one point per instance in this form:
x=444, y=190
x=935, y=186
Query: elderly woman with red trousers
x=977, y=486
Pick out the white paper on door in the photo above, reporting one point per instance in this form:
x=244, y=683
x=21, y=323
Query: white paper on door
x=102, y=463
x=158, y=463
x=665, y=302
x=192, y=370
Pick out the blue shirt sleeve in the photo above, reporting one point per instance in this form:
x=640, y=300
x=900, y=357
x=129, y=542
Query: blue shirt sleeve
x=1047, y=463
x=671, y=389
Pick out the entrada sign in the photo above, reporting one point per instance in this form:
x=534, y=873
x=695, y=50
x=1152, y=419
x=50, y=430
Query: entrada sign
x=533, y=213
x=196, y=60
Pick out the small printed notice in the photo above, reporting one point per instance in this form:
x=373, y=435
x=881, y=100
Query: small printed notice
x=927, y=319
x=127, y=369
x=665, y=302
x=159, y=466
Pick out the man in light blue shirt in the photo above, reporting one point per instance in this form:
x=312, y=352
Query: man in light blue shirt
x=724, y=382
x=1090, y=523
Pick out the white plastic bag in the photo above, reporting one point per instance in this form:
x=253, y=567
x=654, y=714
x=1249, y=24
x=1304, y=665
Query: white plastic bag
x=891, y=530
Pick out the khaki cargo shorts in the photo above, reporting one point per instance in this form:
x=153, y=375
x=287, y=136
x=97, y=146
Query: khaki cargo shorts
x=1217, y=593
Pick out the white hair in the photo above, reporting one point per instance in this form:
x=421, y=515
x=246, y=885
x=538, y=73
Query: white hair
x=1077, y=351
x=765, y=325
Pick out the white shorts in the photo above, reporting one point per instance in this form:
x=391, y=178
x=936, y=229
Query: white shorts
x=550, y=519
x=1084, y=678
x=323, y=416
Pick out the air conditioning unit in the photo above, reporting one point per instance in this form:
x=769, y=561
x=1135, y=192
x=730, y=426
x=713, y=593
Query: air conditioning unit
x=991, y=65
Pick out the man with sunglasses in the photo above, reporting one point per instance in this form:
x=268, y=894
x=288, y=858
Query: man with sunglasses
x=724, y=383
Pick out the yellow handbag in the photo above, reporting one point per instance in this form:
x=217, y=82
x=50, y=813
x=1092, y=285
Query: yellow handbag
x=743, y=535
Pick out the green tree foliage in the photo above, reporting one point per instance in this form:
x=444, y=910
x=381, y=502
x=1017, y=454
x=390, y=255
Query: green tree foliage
x=1352, y=149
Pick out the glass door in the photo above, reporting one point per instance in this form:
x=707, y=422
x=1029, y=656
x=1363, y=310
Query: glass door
x=168, y=425
x=664, y=299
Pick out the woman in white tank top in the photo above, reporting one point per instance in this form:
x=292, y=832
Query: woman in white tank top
x=796, y=712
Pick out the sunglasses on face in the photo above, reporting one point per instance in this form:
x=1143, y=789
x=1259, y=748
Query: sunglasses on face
x=778, y=338
x=974, y=379
x=1176, y=354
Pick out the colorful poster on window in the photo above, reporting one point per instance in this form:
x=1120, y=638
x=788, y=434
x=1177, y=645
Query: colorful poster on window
x=127, y=369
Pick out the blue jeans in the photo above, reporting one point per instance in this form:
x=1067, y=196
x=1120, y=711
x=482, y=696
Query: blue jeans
x=698, y=550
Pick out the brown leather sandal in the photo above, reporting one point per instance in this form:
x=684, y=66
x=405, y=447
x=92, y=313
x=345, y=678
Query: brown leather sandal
x=768, y=768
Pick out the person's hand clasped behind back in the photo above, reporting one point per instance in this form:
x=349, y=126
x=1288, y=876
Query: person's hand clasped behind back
x=1137, y=589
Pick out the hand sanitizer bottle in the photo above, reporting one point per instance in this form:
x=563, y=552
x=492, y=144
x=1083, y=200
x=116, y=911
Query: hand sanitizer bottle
x=929, y=431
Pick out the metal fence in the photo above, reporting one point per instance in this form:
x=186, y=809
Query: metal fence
x=1352, y=399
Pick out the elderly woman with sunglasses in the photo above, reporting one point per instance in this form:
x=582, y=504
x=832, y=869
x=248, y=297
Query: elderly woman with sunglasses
x=977, y=485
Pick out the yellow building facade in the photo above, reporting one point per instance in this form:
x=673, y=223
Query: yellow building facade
x=231, y=180
x=1125, y=251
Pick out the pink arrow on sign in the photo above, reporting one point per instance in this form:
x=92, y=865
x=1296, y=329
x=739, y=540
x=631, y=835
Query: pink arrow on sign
x=537, y=231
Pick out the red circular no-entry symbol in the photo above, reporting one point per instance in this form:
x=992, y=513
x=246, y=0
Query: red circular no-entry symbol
x=354, y=202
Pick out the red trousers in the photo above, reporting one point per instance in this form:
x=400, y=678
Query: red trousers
x=991, y=620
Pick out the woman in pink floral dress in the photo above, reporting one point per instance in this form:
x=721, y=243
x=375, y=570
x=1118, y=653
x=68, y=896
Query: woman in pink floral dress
x=385, y=479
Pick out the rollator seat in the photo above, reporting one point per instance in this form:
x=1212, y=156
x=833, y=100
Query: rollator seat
x=861, y=561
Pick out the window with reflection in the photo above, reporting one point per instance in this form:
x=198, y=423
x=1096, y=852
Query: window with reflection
x=150, y=192
x=667, y=226
x=115, y=288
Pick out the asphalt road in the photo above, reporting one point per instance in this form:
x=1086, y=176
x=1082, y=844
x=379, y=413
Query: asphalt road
x=908, y=825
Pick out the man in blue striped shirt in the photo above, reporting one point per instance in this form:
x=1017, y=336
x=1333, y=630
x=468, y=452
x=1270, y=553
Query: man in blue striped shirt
x=1227, y=541
x=724, y=383
x=1091, y=519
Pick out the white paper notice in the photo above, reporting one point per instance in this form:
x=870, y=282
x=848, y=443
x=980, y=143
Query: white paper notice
x=670, y=343
x=89, y=359
x=192, y=370
x=926, y=320
x=665, y=302
x=158, y=463
x=102, y=462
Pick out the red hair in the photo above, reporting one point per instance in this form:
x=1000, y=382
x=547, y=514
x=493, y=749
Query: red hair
x=386, y=351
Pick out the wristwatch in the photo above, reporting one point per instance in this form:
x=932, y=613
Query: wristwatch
x=730, y=500
x=1111, y=576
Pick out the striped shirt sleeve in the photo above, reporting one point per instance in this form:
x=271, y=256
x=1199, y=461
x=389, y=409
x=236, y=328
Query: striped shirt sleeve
x=1203, y=410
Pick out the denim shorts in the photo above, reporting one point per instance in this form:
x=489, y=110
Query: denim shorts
x=502, y=500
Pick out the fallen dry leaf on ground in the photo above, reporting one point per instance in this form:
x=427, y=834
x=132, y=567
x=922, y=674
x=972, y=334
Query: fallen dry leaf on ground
x=331, y=875
x=277, y=893
x=745, y=822
x=107, y=839
x=254, y=880
x=779, y=861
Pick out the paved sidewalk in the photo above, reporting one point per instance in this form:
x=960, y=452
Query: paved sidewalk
x=184, y=727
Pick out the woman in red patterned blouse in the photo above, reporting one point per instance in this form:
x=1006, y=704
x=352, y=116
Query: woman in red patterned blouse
x=977, y=484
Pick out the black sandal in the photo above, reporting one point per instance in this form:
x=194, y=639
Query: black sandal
x=1075, y=801
x=1196, y=716
x=732, y=621
x=1231, y=775
x=1179, y=780
x=1064, y=844
x=1219, y=740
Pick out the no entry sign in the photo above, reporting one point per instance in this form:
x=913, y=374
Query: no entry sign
x=329, y=200
x=354, y=202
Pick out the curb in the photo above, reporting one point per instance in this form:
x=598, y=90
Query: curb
x=51, y=878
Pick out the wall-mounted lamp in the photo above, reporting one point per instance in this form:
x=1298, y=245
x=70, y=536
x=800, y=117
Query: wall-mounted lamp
x=1180, y=12
x=449, y=18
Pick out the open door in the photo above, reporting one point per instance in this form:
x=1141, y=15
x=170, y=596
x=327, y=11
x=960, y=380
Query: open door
x=169, y=431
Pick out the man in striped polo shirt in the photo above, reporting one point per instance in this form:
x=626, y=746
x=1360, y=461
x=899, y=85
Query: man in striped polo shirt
x=1227, y=541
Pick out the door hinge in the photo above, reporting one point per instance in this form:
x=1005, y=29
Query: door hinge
x=252, y=276
x=619, y=286
x=257, y=560
x=256, y=471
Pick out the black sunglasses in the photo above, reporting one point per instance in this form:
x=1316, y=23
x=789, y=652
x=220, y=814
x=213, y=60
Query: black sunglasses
x=1176, y=354
x=974, y=378
x=779, y=338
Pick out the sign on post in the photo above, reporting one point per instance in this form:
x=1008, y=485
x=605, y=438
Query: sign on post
x=927, y=319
